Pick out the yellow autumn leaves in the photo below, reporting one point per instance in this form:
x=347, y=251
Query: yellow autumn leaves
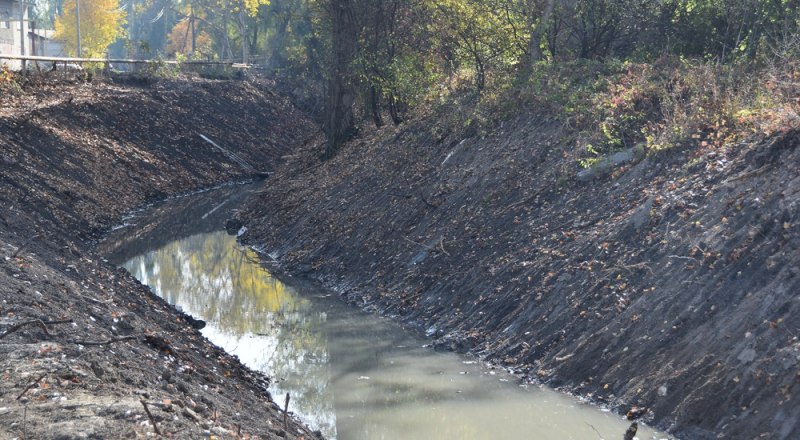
x=102, y=21
x=100, y=25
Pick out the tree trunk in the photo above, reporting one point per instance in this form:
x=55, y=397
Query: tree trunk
x=243, y=33
x=375, y=106
x=339, y=119
x=537, y=20
x=194, y=34
x=393, y=111
x=277, y=58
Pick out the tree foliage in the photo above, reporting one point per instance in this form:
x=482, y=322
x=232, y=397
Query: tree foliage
x=379, y=60
x=100, y=21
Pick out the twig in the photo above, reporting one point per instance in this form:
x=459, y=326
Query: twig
x=746, y=175
x=285, y=414
x=38, y=322
x=441, y=246
x=109, y=341
x=108, y=301
x=595, y=430
x=680, y=257
x=150, y=416
x=33, y=384
x=430, y=248
x=25, y=423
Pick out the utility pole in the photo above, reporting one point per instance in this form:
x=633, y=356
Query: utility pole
x=22, y=6
x=78, y=24
x=194, y=39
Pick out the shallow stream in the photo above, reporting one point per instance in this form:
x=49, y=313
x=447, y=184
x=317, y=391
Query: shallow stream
x=349, y=374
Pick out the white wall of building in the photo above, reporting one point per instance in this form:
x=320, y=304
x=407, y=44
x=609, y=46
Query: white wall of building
x=10, y=37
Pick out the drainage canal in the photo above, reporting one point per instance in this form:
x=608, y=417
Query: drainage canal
x=349, y=374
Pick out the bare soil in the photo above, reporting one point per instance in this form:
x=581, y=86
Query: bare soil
x=82, y=343
x=668, y=288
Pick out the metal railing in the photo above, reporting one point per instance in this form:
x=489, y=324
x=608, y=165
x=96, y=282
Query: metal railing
x=108, y=62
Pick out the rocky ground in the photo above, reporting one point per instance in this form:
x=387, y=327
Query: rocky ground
x=87, y=351
x=666, y=282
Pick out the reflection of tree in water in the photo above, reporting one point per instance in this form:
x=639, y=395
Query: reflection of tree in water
x=214, y=279
x=249, y=313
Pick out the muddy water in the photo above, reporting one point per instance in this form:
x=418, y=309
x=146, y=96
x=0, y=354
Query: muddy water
x=349, y=374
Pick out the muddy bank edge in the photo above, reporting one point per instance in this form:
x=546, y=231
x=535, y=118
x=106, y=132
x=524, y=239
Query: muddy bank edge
x=75, y=157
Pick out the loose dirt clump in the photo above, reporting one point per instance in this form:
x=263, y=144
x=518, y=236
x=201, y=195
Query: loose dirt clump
x=668, y=284
x=87, y=351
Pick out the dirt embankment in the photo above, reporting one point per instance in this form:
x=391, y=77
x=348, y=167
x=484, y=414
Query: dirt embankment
x=82, y=342
x=670, y=284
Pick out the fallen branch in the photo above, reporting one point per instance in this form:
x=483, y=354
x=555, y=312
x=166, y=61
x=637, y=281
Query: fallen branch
x=430, y=248
x=746, y=175
x=150, y=416
x=231, y=155
x=441, y=246
x=399, y=195
x=39, y=322
x=680, y=257
x=110, y=341
x=31, y=386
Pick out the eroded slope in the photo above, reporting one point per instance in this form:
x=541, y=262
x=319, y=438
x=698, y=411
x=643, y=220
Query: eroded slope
x=670, y=284
x=73, y=158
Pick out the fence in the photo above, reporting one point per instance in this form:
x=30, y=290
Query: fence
x=108, y=63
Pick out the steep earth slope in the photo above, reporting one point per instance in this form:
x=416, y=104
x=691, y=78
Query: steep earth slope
x=84, y=344
x=669, y=283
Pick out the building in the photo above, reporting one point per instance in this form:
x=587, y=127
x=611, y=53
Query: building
x=42, y=43
x=13, y=15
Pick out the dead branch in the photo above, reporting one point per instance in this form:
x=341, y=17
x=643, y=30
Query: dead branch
x=150, y=416
x=430, y=248
x=109, y=341
x=680, y=257
x=39, y=322
x=746, y=175
x=399, y=195
x=441, y=246
x=33, y=384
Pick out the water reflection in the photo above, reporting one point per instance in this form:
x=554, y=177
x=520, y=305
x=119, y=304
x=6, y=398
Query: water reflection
x=351, y=375
x=249, y=313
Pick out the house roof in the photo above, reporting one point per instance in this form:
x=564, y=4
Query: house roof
x=43, y=33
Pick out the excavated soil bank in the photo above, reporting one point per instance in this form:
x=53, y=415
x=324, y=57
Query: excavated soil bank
x=669, y=285
x=83, y=343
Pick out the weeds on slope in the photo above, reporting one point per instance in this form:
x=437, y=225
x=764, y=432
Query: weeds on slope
x=612, y=105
